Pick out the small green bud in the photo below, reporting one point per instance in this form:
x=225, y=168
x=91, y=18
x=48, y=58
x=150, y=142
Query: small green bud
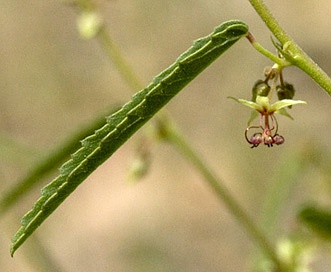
x=89, y=24
x=285, y=91
x=140, y=165
x=260, y=88
x=139, y=168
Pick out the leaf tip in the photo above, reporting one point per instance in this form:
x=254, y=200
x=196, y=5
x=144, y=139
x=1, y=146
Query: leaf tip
x=13, y=249
x=17, y=240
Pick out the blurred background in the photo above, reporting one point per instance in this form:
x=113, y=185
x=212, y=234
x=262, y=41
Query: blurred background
x=52, y=82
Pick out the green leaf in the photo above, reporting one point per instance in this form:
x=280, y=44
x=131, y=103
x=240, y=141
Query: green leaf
x=284, y=113
x=124, y=123
x=48, y=163
x=254, y=115
x=317, y=219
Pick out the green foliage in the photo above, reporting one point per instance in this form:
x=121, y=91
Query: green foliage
x=108, y=136
x=124, y=123
x=317, y=219
x=48, y=163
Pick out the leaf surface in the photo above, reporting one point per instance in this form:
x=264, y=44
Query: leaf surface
x=121, y=125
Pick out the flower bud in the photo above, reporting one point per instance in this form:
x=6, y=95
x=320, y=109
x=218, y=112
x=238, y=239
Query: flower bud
x=285, y=91
x=260, y=88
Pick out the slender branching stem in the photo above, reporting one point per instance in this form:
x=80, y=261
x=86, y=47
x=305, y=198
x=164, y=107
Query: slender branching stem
x=290, y=50
x=114, y=53
x=179, y=142
x=280, y=61
x=171, y=134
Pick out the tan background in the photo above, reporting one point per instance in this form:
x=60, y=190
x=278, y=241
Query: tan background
x=52, y=81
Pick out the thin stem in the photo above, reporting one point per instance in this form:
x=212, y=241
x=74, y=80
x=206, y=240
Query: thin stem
x=113, y=52
x=291, y=167
x=267, y=53
x=187, y=151
x=174, y=137
x=291, y=51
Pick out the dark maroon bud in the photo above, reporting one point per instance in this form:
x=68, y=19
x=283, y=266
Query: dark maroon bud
x=278, y=139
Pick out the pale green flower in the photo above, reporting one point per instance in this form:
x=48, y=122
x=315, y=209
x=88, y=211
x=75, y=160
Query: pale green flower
x=266, y=133
x=262, y=105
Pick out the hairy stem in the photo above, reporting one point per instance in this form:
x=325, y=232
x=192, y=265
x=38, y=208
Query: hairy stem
x=291, y=51
x=270, y=21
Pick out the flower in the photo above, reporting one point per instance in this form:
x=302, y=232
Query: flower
x=262, y=106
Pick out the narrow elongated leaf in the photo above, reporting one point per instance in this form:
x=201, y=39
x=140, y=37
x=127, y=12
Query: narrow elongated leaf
x=121, y=125
x=47, y=164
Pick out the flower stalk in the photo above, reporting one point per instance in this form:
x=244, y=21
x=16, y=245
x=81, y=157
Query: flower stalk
x=290, y=49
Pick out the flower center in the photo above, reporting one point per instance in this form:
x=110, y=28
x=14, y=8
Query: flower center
x=265, y=134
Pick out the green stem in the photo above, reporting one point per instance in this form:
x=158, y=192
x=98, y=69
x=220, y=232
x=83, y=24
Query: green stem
x=292, y=52
x=186, y=150
x=172, y=135
x=291, y=167
x=49, y=163
x=114, y=53
x=270, y=21
x=281, y=62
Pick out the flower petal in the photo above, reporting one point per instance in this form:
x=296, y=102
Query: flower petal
x=264, y=102
x=275, y=107
x=248, y=103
